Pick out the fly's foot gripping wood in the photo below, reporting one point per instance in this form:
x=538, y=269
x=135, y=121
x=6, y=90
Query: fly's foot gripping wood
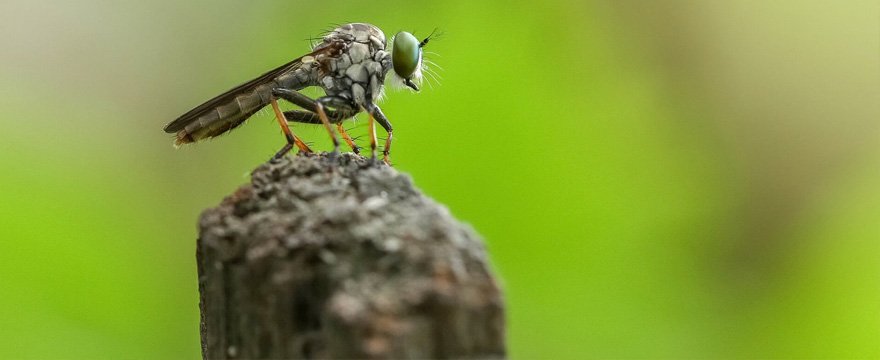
x=344, y=260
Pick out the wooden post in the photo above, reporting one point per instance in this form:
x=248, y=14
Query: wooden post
x=343, y=260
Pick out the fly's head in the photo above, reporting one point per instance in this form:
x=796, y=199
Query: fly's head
x=407, y=59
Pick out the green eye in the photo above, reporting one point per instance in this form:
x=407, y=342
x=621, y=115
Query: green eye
x=406, y=54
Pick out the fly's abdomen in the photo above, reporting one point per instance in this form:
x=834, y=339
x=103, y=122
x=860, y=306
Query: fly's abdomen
x=227, y=116
x=228, y=110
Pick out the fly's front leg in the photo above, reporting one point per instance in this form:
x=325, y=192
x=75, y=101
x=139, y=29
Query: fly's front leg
x=383, y=121
x=371, y=128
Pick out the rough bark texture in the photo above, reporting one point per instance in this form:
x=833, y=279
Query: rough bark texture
x=342, y=260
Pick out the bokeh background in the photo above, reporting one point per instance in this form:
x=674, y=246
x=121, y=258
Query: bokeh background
x=660, y=179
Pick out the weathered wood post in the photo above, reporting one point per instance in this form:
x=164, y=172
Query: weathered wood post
x=344, y=260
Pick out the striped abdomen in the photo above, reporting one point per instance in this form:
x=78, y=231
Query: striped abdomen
x=226, y=116
x=230, y=109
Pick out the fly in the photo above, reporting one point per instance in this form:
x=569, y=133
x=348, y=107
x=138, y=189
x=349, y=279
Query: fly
x=350, y=64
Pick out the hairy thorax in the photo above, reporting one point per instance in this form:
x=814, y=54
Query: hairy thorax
x=356, y=68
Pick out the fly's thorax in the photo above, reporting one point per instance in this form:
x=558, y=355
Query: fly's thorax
x=359, y=32
x=358, y=71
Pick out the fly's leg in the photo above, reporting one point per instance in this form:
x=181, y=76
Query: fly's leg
x=318, y=106
x=348, y=140
x=291, y=138
x=302, y=116
x=343, y=109
x=371, y=128
x=338, y=103
x=311, y=105
x=309, y=117
x=374, y=110
x=326, y=122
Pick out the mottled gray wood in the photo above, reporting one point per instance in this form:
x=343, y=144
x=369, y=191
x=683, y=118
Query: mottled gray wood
x=348, y=260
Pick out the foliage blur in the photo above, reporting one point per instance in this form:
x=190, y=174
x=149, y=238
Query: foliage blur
x=653, y=178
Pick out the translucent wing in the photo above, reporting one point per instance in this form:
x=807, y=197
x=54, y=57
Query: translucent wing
x=229, y=96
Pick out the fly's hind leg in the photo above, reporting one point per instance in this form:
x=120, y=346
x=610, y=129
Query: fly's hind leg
x=291, y=138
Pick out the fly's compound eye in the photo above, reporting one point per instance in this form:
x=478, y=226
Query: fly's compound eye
x=406, y=56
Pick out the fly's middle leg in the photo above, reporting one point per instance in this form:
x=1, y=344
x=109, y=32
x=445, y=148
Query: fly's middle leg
x=308, y=117
x=323, y=116
x=340, y=104
x=314, y=114
x=376, y=112
x=371, y=128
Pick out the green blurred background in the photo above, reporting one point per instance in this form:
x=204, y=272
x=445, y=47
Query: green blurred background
x=660, y=179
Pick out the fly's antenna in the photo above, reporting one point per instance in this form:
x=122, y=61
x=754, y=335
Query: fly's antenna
x=433, y=35
x=429, y=67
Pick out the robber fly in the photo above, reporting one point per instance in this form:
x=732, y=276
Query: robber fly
x=350, y=64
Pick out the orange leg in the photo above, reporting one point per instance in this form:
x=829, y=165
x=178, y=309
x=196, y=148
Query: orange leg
x=348, y=140
x=323, y=116
x=387, y=149
x=291, y=138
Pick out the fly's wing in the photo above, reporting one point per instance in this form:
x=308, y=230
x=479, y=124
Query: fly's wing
x=229, y=96
x=228, y=110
